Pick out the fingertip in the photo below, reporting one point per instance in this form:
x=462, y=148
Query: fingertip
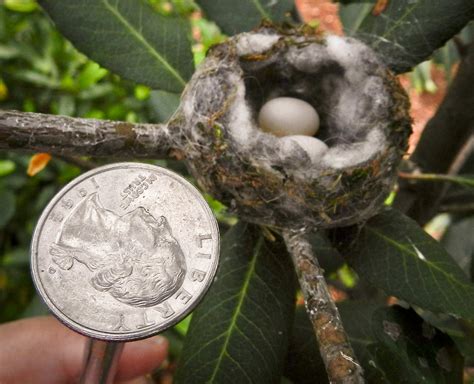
x=34, y=348
x=142, y=357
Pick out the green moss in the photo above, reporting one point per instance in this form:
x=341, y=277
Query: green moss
x=217, y=131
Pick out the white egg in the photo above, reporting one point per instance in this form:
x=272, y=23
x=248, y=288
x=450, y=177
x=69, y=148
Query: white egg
x=285, y=116
x=315, y=148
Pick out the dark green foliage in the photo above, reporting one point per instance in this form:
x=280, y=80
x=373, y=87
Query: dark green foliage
x=394, y=345
x=459, y=242
x=42, y=72
x=239, y=333
x=411, y=350
x=393, y=253
x=7, y=208
x=328, y=256
x=127, y=37
x=461, y=331
x=250, y=13
x=407, y=32
x=304, y=364
x=22, y=199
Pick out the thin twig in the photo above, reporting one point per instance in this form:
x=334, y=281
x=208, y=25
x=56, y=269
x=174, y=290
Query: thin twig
x=83, y=164
x=339, y=358
x=70, y=136
x=466, y=181
x=457, y=208
x=462, y=156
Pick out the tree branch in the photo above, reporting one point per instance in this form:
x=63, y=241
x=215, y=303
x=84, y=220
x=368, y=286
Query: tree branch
x=443, y=139
x=68, y=136
x=339, y=358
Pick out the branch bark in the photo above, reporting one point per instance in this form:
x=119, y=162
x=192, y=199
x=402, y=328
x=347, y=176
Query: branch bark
x=339, y=358
x=68, y=136
x=443, y=139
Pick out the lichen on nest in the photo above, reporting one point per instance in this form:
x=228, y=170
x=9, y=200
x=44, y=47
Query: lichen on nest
x=364, y=121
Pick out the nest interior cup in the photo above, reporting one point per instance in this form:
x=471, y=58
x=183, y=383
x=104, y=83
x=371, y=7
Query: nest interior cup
x=364, y=121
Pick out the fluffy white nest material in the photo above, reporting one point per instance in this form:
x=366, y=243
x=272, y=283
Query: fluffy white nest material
x=340, y=77
x=342, y=81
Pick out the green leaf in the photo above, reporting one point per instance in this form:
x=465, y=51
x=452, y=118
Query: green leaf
x=357, y=319
x=243, y=15
x=413, y=351
x=8, y=52
x=392, y=344
x=17, y=257
x=90, y=75
x=459, y=242
x=393, y=253
x=21, y=5
x=183, y=326
x=407, y=32
x=239, y=333
x=328, y=256
x=460, y=331
x=304, y=364
x=129, y=38
x=6, y=167
x=162, y=105
x=7, y=206
x=352, y=15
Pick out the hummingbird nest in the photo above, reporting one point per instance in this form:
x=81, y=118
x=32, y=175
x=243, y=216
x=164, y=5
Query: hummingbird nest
x=364, y=121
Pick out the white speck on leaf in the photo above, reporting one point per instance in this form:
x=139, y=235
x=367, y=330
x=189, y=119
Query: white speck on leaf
x=417, y=251
x=393, y=330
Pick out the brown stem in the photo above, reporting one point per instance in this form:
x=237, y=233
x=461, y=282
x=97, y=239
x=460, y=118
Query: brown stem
x=339, y=358
x=69, y=136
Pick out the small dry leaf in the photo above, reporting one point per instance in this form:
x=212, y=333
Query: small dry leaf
x=379, y=7
x=37, y=163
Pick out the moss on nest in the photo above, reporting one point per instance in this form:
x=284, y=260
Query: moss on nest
x=364, y=120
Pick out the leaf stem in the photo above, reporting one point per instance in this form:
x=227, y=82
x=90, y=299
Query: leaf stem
x=437, y=177
x=339, y=358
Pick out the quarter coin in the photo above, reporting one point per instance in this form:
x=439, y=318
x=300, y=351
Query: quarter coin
x=125, y=251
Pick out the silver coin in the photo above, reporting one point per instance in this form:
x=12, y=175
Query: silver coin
x=125, y=251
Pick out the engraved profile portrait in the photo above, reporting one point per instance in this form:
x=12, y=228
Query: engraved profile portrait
x=133, y=257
